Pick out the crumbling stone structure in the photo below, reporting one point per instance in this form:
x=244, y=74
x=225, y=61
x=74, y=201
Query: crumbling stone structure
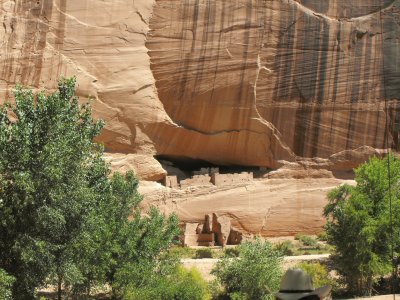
x=209, y=176
x=231, y=179
x=171, y=181
x=196, y=180
x=216, y=230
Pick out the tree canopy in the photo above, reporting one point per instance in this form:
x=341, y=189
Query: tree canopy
x=359, y=223
x=256, y=274
x=63, y=216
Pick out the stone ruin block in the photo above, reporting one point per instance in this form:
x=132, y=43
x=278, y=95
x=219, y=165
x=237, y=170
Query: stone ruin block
x=216, y=230
x=235, y=237
x=231, y=179
x=190, y=234
x=221, y=227
x=171, y=181
x=196, y=180
x=207, y=224
x=205, y=239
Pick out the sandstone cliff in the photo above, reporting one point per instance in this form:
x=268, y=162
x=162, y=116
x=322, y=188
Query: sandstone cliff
x=244, y=82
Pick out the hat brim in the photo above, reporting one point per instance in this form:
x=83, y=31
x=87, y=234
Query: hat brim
x=321, y=292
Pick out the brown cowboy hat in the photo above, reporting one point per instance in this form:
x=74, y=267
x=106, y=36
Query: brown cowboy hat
x=297, y=284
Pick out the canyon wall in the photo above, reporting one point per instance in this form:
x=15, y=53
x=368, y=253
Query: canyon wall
x=269, y=83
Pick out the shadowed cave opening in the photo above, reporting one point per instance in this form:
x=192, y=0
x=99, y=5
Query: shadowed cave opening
x=185, y=167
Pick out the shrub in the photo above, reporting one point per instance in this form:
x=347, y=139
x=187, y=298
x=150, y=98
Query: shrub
x=318, y=273
x=285, y=248
x=203, y=253
x=255, y=275
x=6, y=282
x=182, y=252
x=182, y=284
x=232, y=252
x=308, y=241
x=298, y=236
x=322, y=236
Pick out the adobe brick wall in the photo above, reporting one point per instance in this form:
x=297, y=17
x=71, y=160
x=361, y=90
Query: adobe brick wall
x=231, y=179
x=196, y=180
x=171, y=181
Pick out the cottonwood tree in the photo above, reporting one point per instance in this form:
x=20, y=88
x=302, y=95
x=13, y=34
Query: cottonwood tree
x=255, y=275
x=62, y=216
x=358, y=224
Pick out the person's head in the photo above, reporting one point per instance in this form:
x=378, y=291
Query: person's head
x=297, y=284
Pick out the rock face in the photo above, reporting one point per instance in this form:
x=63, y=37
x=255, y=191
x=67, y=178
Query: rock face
x=262, y=81
x=244, y=82
x=272, y=207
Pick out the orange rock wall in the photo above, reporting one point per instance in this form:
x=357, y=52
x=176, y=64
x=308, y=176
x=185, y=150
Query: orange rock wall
x=242, y=82
x=275, y=80
x=245, y=82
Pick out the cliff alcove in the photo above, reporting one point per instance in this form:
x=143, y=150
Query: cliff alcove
x=233, y=83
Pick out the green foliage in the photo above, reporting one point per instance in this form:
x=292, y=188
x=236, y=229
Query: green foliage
x=307, y=240
x=6, y=282
x=143, y=253
x=232, y=252
x=358, y=224
x=286, y=248
x=297, y=236
x=182, y=252
x=203, y=253
x=254, y=275
x=181, y=284
x=63, y=218
x=46, y=189
x=318, y=273
x=322, y=236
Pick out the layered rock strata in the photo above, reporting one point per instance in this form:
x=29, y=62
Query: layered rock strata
x=302, y=85
x=268, y=207
x=256, y=82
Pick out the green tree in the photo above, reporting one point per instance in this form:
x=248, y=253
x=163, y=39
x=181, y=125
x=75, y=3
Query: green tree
x=63, y=217
x=6, y=282
x=256, y=274
x=45, y=190
x=358, y=224
x=179, y=284
x=319, y=274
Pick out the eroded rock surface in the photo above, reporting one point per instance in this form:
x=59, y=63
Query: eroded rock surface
x=268, y=207
x=293, y=84
x=257, y=82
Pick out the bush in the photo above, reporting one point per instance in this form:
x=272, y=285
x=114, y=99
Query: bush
x=181, y=284
x=203, y=253
x=182, y=252
x=298, y=236
x=308, y=240
x=255, y=275
x=6, y=282
x=285, y=248
x=232, y=252
x=319, y=274
x=322, y=236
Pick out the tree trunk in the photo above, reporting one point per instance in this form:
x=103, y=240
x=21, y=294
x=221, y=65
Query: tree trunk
x=59, y=291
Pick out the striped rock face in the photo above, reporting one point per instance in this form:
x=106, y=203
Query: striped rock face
x=261, y=81
x=307, y=86
x=242, y=82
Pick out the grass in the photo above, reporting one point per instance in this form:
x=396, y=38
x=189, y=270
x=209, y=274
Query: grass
x=197, y=253
x=302, y=245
